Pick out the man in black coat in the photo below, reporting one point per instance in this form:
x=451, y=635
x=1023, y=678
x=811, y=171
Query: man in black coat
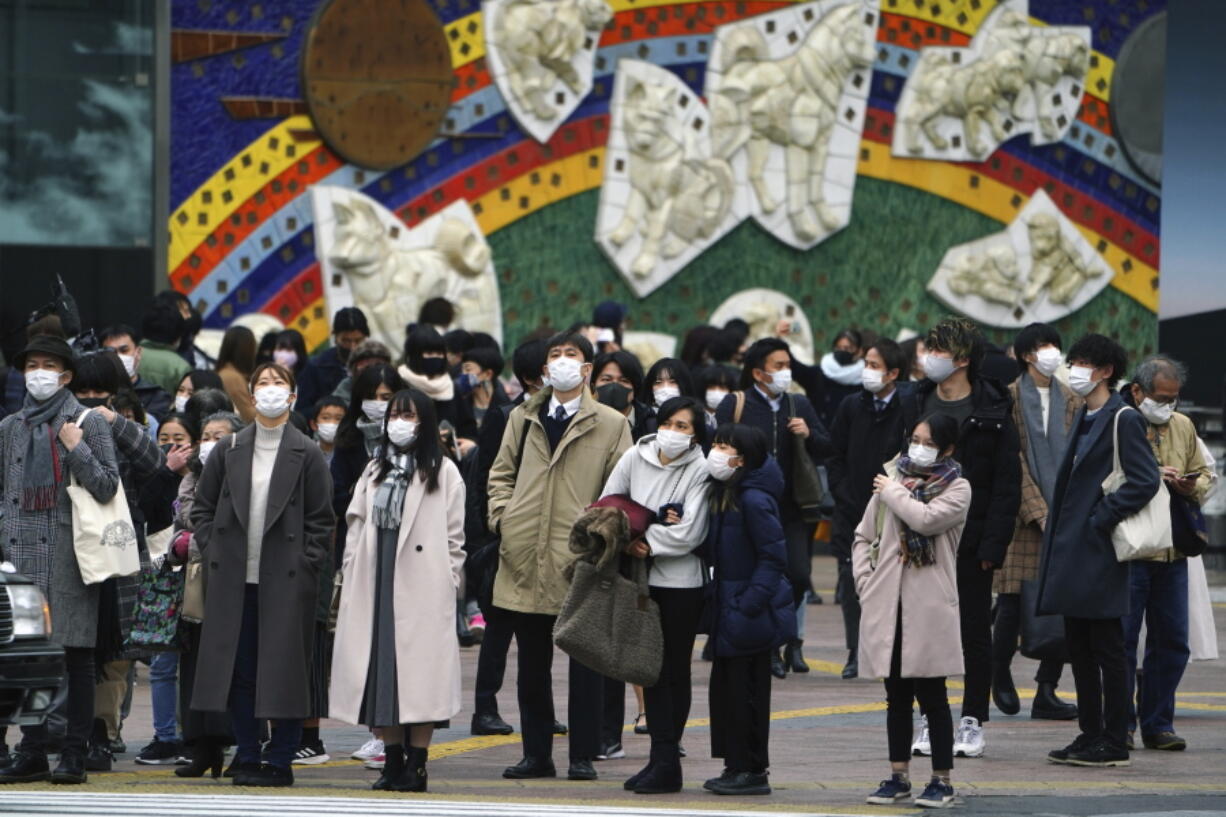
x=988, y=450
x=327, y=369
x=765, y=381
x=1079, y=575
x=866, y=433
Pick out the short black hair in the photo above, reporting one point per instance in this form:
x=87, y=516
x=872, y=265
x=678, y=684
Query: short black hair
x=422, y=338
x=850, y=334
x=100, y=371
x=715, y=375
x=674, y=367
x=350, y=319
x=570, y=339
x=944, y=430
x=756, y=355
x=675, y=404
x=365, y=384
x=458, y=341
x=487, y=359
x=627, y=362
x=528, y=360
x=694, y=346
x=163, y=323
x=437, y=312
x=738, y=325
x=724, y=345
x=327, y=402
x=118, y=330
x=1100, y=351
x=127, y=400
x=749, y=442
x=893, y=356
x=203, y=379
x=485, y=340
x=961, y=338
x=1032, y=337
x=190, y=424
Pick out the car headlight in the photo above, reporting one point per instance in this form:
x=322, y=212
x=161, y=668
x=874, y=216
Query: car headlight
x=31, y=615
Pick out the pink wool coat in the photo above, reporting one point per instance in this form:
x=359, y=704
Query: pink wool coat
x=931, y=640
x=429, y=563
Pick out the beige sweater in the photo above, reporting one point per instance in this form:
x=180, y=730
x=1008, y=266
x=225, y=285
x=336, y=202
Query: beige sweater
x=267, y=441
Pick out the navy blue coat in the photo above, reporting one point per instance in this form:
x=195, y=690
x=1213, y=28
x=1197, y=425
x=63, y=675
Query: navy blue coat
x=1079, y=576
x=322, y=374
x=752, y=598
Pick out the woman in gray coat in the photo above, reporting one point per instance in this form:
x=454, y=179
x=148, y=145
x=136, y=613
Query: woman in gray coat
x=263, y=524
x=41, y=448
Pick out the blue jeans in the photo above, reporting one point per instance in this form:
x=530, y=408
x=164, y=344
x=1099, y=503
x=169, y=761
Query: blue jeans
x=1160, y=595
x=286, y=734
x=164, y=688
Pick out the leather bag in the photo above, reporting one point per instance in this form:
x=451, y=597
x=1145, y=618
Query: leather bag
x=1042, y=636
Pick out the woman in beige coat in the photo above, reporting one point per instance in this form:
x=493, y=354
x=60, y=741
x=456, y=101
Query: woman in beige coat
x=904, y=564
x=396, y=661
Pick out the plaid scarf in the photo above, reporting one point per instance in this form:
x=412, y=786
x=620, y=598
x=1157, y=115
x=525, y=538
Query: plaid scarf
x=389, y=498
x=43, y=472
x=924, y=484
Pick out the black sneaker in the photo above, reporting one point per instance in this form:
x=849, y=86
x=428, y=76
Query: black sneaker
x=891, y=791
x=1102, y=752
x=98, y=758
x=611, y=751
x=160, y=753
x=1061, y=755
x=741, y=784
x=311, y=755
x=1164, y=741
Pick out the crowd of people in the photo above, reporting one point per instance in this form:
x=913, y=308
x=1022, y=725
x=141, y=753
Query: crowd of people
x=353, y=519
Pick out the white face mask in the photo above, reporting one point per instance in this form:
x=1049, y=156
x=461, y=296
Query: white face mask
x=205, y=450
x=180, y=403
x=374, y=409
x=715, y=397
x=781, y=381
x=873, y=380
x=718, y=467
x=1157, y=413
x=272, y=401
x=673, y=443
x=401, y=432
x=129, y=364
x=42, y=384
x=326, y=432
x=1047, y=360
x=565, y=373
x=665, y=393
x=923, y=456
x=285, y=357
x=1081, y=380
x=938, y=369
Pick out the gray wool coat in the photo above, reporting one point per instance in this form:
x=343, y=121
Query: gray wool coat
x=1079, y=576
x=39, y=543
x=297, y=545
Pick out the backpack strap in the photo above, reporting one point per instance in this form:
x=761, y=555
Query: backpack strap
x=740, y=407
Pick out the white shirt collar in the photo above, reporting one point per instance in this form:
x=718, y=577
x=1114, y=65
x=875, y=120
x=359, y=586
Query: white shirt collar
x=570, y=407
x=775, y=402
x=887, y=398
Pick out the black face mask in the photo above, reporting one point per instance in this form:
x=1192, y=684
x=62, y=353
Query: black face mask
x=342, y=354
x=614, y=395
x=92, y=402
x=844, y=357
x=194, y=324
x=166, y=447
x=433, y=366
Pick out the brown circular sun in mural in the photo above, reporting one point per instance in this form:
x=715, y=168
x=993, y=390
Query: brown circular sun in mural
x=377, y=78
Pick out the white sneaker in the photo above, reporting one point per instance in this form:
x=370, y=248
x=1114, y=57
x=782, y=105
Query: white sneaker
x=370, y=748
x=968, y=740
x=923, y=744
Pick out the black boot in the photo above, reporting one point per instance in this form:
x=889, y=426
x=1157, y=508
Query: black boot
x=71, y=768
x=393, y=768
x=207, y=756
x=634, y=779
x=794, y=658
x=25, y=767
x=1046, y=706
x=778, y=668
x=413, y=778
x=663, y=774
x=98, y=757
x=852, y=668
x=1003, y=690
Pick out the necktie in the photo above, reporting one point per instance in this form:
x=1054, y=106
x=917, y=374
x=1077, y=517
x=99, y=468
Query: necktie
x=879, y=405
x=559, y=413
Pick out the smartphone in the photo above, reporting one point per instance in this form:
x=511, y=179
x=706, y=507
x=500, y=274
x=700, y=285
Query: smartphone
x=1190, y=474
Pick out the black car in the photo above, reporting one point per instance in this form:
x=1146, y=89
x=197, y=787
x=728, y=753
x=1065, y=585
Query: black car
x=31, y=667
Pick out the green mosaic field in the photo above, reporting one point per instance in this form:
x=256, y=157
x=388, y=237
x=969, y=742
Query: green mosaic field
x=870, y=275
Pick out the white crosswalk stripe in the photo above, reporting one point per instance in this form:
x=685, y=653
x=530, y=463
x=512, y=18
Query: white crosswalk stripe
x=99, y=804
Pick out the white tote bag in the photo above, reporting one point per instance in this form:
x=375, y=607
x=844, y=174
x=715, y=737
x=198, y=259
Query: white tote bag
x=1148, y=531
x=102, y=534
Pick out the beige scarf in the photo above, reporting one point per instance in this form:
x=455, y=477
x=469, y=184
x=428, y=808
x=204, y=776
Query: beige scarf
x=439, y=388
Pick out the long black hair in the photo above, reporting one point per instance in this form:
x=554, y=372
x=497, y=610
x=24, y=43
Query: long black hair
x=944, y=430
x=426, y=449
x=699, y=418
x=674, y=368
x=751, y=447
x=364, y=387
x=292, y=339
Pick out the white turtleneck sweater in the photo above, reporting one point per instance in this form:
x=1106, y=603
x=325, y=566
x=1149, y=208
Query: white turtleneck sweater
x=267, y=441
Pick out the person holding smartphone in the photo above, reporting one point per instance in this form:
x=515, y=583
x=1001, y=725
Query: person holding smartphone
x=666, y=472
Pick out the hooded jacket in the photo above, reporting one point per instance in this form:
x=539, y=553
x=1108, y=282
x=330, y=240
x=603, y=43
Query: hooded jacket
x=685, y=480
x=751, y=596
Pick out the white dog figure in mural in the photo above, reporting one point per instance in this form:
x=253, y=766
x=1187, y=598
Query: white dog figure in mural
x=978, y=93
x=538, y=41
x=1056, y=265
x=792, y=102
x=676, y=197
x=389, y=283
x=992, y=275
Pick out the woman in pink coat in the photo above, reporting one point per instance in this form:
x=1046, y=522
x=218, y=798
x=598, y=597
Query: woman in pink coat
x=396, y=663
x=904, y=564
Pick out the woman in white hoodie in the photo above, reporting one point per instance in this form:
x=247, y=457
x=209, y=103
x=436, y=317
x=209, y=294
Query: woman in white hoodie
x=667, y=473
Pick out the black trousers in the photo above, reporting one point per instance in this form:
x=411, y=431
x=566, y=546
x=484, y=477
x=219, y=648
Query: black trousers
x=78, y=706
x=613, y=711
x=492, y=659
x=845, y=591
x=799, y=536
x=668, y=702
x=1007, y=629
x=534, y=637
x=975, y=608
x=740, y=702
x=930, y=694
x=1100, y=670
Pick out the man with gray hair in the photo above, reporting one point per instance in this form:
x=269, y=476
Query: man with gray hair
x=1159, y=586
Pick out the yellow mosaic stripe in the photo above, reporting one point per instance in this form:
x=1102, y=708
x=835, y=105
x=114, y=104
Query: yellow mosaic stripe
x=538, y=188
x=466, y=38
x=245, y=173
x=994, y=199
x=312, y=322
x=960, y=15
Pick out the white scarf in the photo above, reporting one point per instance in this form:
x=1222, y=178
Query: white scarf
x=848, y=375
x=439, y=388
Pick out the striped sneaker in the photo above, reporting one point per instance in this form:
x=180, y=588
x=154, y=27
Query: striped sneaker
x=311, y=755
